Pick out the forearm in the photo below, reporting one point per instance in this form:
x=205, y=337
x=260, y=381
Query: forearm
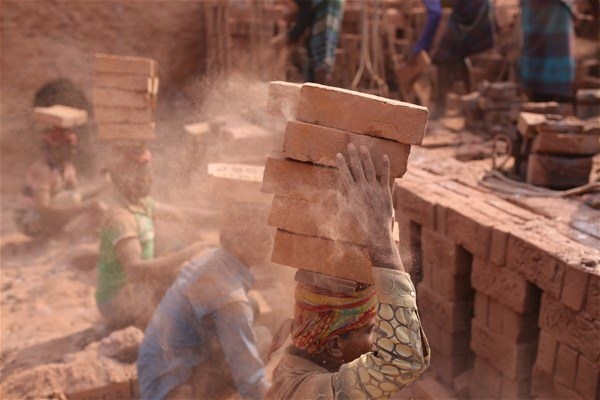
x=157, y=267
x=402, y=350
x=302, y=21
x=434, y=14
x=383, y=250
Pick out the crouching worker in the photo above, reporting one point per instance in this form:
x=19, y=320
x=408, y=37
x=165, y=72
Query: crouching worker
x=332, y=355
x=52, y=198
x=208, y=303
x=131, y=280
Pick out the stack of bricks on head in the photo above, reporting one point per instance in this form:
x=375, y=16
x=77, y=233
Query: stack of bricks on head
x=315, y=232
x=124, y=96
x=60, y=116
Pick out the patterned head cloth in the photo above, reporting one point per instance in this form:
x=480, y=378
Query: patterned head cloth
x=321, y=314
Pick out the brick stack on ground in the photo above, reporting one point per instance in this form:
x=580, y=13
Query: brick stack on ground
x=508, y=298
x=124, y=97
x=315, y=230
x=493, y=108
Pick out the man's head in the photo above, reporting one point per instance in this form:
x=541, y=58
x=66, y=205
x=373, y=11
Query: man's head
x=61, y=144
x=245, y=233
x=131, y=174
x=333, y=328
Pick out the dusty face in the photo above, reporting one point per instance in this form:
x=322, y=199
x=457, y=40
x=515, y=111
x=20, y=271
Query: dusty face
x=134, y=182
x=356, y=343
x=63, y=153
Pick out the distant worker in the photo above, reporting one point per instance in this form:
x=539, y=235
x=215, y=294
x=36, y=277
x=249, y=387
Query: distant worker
x=52, y=197
x=323, y=20
x=547, y=62
x=470, y=31
x=333, y=354
x=208, y=302
x=131, y=280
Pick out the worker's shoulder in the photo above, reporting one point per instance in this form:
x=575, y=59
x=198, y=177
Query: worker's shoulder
x=118, y=216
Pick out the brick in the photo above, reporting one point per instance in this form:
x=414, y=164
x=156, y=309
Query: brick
x=362, y=113
x=234, y=190
x=329, y=257
x=514, y=360
x=592, y=302
x=542, y=384
x=453, y=288
x=486, y=375
x=120, y=98
x=448, y=367
x=496, y=282
x=60, y=116
x=125, y=65
x=126, y=131
x=135, y=83
x=115, y=390
x=481, y=308
x=283, y=98
x=574, y=288
x=546, y=353
x=413, y=206
x=452, y=317
x=323, y=219
x=440, y=252
x=529, y=122
x=566, y=366
x=513, y=389
x=495, y=316
x=109, y=115
x=463, y=229
x=563, y=392
x=445, y=343
x=430, y=388
x=498, y=246
x=565, y=143
x=440, y=219
x=520, y=328
x=409, y=71
x=295, y=179
x=569, y=328
x=550, y=107
x=587, y=380
x=319, y=145
x=558, y=172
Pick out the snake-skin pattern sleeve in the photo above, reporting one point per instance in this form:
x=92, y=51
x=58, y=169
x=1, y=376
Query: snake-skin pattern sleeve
x=402, y=351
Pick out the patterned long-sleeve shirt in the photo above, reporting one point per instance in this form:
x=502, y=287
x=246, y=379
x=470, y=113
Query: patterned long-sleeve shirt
x=401, y=353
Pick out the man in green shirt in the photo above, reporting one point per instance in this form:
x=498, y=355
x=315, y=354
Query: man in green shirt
x=131, y=279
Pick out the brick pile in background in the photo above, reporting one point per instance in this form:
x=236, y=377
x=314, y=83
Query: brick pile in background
x=493, y=108
x=315, y=231
x=124, y=96
x=510, y=304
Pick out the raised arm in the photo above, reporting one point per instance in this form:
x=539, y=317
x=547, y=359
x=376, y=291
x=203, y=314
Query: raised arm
x=402, y=351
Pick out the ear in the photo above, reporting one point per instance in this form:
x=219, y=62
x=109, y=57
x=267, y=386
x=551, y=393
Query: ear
x=334, y=347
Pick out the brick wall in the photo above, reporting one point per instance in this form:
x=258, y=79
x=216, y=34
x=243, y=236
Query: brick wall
x=506, y=298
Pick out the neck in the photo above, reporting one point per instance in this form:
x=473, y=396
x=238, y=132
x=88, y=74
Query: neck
x=321, y=359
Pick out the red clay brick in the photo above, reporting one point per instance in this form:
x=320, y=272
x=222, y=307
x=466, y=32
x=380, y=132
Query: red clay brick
x=124, y=65
x=295, y=179
x=413, y=206
x=513, y=389
x=120, y=98
x=362, y=113
x=430, y=388
x=592, y=302
x=587, y=380
x=521, y=328
x=454, y=288
x=319, y=145
x=563, y=392
x=542, y=384
x=495, y=316
x=503, y=285
x=566, y=366
x=574, y=288
x=322, y=255
x=486, y=375
x=446, y=368
x=136, y=83
x=481, y=308
x=464, y=228
x=565, y=143
x=498, y=246
x=546, y=353
x=322, y=219
x=440, y=219
x=109, y=115
x=126, y=131
x=442, y=253
x=452, y=317
x=563, y=324
x=283, y=98
x=514, y=360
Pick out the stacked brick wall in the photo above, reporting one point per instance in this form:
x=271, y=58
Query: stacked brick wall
x=505, y=296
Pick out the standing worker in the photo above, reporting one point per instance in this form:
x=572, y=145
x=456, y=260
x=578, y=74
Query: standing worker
x=548, y=61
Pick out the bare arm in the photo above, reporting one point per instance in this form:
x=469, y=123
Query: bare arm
x=129, y=254
x=187, y=214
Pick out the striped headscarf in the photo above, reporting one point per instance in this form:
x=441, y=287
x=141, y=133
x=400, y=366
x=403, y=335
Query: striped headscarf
x=321, y=314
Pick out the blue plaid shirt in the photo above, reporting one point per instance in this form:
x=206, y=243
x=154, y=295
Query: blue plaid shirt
x=175, y=341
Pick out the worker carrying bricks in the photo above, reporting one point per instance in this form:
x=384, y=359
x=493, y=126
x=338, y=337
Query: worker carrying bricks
x=470, y=31
x=323, y=21
x=131, y=280
x=52, y=198
x=547, y=63
x=332, y=354
x=209, y=302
